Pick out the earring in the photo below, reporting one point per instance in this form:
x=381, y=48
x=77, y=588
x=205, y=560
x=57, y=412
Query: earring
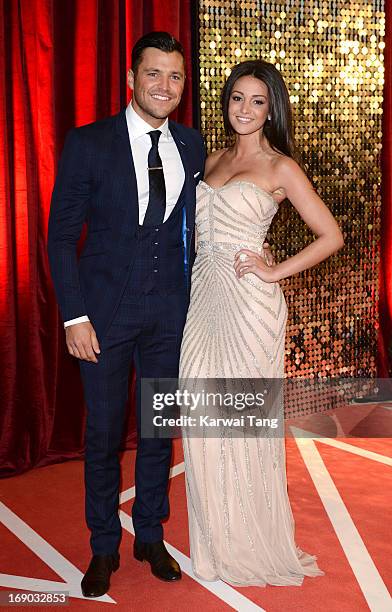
x=269, y=117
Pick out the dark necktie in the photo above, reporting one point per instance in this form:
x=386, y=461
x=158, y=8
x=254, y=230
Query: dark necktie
x=157, y=191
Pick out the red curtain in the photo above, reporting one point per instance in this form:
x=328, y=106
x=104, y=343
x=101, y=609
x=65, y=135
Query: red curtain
x=385, y=305
x=62, y=63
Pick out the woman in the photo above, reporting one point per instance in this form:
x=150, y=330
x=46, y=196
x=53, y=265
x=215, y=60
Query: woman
x=241, y=524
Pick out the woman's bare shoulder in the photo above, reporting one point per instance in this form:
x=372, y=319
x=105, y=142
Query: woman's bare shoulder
x=213, y=158
x=284, y=163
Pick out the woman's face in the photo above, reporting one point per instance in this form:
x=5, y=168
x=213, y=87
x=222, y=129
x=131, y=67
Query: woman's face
x=248, y=105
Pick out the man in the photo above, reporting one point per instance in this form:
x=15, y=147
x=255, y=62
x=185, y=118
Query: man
x=132, y=179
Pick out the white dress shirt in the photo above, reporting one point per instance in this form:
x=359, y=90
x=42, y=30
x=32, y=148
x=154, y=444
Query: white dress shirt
x=173, y=169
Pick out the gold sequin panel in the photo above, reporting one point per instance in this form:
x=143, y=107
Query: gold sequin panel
x=331, y=57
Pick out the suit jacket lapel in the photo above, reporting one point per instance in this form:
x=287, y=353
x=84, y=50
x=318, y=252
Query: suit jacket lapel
x=189, y=188
x=125, y=185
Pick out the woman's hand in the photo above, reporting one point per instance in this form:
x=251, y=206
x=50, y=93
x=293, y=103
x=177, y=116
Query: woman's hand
x=247, y=261
x=267, y=254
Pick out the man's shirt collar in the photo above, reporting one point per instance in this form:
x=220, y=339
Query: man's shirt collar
x=138, y=127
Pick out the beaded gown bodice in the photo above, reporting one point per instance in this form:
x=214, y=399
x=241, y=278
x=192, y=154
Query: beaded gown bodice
x=240, y=323
x=225, y=226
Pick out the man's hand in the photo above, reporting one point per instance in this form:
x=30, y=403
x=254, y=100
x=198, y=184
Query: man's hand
x=82, y=341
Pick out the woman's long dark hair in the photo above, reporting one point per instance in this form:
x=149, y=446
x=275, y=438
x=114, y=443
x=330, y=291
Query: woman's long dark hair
x=278, y=130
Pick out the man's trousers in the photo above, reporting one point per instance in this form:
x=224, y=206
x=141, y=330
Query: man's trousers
x=146, y=330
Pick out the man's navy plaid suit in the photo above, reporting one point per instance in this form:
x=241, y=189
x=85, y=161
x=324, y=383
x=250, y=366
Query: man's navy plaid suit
x=133, y=282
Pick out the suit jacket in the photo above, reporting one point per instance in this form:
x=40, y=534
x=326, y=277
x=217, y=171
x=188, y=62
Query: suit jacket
x=96, y=185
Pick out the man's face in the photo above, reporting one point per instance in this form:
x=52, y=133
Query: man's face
x=157, y=84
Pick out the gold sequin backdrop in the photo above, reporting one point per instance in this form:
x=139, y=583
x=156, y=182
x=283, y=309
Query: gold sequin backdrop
x=331, y=57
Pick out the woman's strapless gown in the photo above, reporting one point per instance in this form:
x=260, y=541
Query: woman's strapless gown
x=241, y=525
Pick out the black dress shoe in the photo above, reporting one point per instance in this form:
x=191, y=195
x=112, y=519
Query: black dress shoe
x=162, y=564
x=96, y=581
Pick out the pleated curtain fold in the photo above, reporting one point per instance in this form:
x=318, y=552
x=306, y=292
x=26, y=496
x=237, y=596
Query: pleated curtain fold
x=62, y=64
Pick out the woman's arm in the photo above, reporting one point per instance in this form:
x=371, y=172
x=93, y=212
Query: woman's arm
x=298, y=189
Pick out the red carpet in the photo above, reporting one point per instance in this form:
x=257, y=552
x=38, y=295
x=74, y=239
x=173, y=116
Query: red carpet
x=50, y=501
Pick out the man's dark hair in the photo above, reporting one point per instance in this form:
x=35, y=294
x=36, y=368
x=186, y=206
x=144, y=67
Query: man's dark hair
x=158, y=40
